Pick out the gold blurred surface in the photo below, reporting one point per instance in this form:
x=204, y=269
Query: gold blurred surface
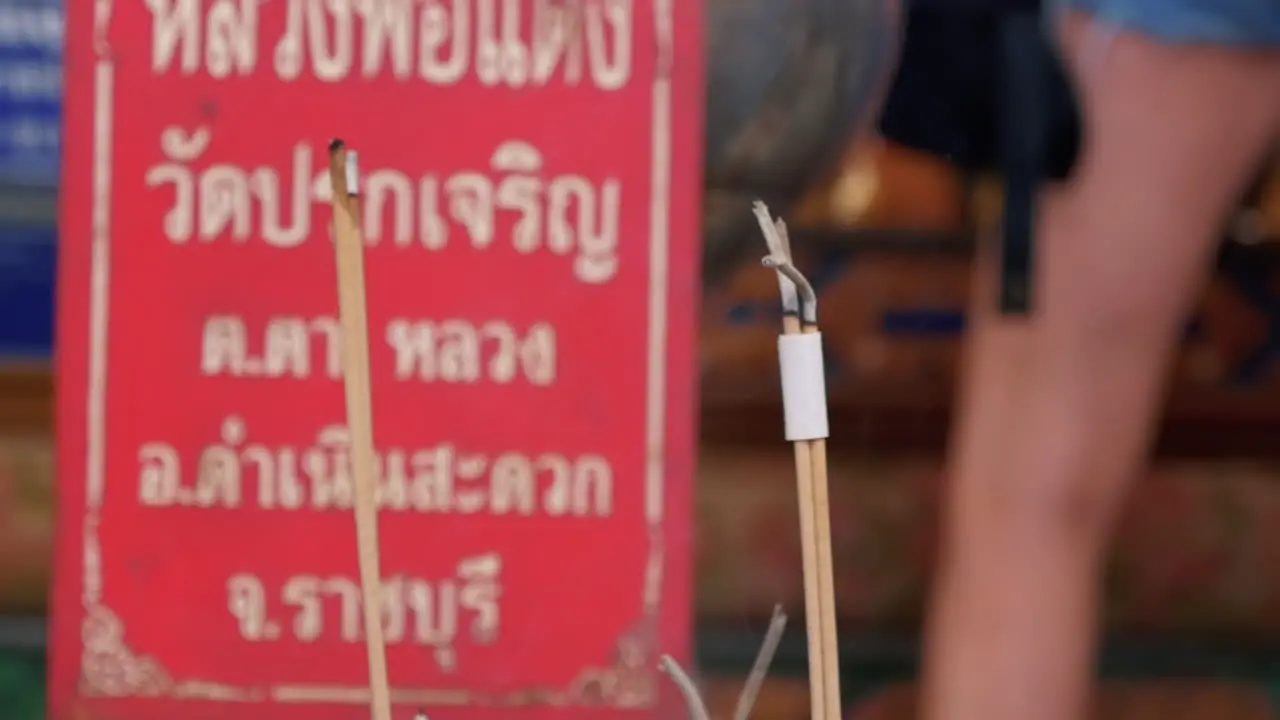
x=880, y=184
x=26, y=523
x=26, y=486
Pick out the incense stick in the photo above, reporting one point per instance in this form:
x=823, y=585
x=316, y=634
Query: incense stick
x=349, y=248
x=750, y=689
x=804, y=402
x=760, y=670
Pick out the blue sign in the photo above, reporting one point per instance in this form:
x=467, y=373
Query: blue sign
x=31, y=36
x=28, y=261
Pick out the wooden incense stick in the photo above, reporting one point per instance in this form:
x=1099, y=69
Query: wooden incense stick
x=822, y=531
x=349, y=247
x=807, y=492
x=799, y=310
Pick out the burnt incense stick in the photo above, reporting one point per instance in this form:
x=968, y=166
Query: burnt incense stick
x=750, y=689
x=805, y=410
x=688, y=689
x=760, y=670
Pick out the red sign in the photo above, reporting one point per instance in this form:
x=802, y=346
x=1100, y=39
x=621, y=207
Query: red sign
x=531, y=176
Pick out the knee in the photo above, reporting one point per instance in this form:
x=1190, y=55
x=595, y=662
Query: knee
x=1063, y=482
x=1064, y=521
x=1102, y=315
x=1067, y=505
x=1033, y=521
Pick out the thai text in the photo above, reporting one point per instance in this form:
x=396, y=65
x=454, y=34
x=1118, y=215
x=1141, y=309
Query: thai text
x=433, y=613
x=511, y=203
x=442, y=478
x=499, y=43
x=451, y=351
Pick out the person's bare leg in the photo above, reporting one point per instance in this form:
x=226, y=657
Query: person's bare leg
x=1057, y=415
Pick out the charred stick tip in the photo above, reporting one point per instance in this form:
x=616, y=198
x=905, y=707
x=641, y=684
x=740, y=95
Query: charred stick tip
x=344, y=169
x=784, y=237
x=768, y=228
x=794, y=284
x=340, y=173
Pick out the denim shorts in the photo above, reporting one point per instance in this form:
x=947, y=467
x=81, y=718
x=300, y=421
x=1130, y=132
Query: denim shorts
x=1235, y=23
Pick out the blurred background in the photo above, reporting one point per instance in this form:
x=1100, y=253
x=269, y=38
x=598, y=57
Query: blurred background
x=31, y=34
x=885, y=231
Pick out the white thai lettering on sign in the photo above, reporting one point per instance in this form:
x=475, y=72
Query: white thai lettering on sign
x=511, y=201
x=432, y=613
x=238, y=472
x=501, y=43
x=449, y=351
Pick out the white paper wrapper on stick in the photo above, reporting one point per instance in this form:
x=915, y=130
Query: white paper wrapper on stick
x=353, y=172
x=804, y=386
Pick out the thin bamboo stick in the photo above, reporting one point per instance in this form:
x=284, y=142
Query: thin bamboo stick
x=349, y=249
x=799, y=315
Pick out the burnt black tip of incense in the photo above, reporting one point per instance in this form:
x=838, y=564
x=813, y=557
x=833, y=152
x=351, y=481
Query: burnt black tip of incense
x=336, y=145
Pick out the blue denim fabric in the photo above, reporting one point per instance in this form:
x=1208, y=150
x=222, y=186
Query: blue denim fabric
x=1238, y=23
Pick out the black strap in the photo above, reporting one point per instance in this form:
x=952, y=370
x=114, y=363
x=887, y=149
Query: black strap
x=1024, y=142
